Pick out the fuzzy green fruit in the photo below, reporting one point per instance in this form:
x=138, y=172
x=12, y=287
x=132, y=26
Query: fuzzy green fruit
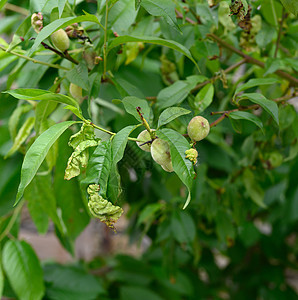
x=76, y=91
x=144, y=136
x=60, y=40
x=198, y=128
x=160, y=152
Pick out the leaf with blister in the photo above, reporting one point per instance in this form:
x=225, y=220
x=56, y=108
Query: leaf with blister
x=204, y=97
x=182, y=166
x=23, y=270
x=37, y=94
x=101, y=208
x=15, y=118
x=268, y=105
x=243, y=115
x=171, y=114
x=99, y=166
x=37, y=153
x=131, y=104
x=86, y=133
x=79, y=158
x=22, y=135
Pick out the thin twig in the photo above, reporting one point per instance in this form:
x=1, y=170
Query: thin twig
x=17, y=9
x=284, y=15
x=293, y=81
x=34, y=60
x=180, y=16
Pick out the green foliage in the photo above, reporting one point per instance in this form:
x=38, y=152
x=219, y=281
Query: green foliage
x=223, y=223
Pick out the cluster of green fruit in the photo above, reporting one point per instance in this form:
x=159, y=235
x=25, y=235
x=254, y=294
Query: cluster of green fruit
x=197, y=129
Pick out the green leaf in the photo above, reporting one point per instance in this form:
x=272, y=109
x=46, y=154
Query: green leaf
x=162, y=8
x=23, y=270
x=42, y=202
x=2, y=3
x=183, y=227
x=119, y=143
x=15, y=118
x=171, y=114
x=21, y=137
x=268, y=105
x=36, y=154
x=71, y=282
x=131, y=103
x=60, y=23
x=255, y=192
x=75, y=111
x=36, y=94
x=152, y=40
x=18, y=37
x=42, y=110
x=204, y=97
x=182, y=166
x=177, y=92
x=61, y=4
x=291, y=6
x=243, y=115
x=79, y=76
x=256, y=82
x=137, y=293
x=99, y=167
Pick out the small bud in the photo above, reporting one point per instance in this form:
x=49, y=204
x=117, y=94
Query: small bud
x=192, y=155
x=60, y=40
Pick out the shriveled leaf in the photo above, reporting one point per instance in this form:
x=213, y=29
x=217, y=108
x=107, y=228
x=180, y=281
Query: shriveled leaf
x=182, y=166
x=152, y=40
x=36, y=154
x=238, y=115
x=204, y=97
x=86, y=133
x=268, y=105
x=79, y=158
x=22, y=135
x=131, y=104
x=256, y=82
x=102, y=209
x=171, y=114
x=23, y=270
x=36, y=94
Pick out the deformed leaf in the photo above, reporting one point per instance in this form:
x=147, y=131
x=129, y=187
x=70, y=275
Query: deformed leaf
x=171, y=114
x=86, y=133
x=269, y=105
x=36, y=154
x=102, y=209
x=22, y=135
x=79, y=158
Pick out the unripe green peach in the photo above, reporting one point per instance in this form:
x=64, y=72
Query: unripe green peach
x=75, y=91
x=60, y=40
x=168, y=167
x=160, y=152
x=144, y=136
x=198, y=128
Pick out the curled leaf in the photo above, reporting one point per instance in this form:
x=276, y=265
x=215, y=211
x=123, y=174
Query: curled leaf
x=79, y=158
x=86, y=133
x=102, y=209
